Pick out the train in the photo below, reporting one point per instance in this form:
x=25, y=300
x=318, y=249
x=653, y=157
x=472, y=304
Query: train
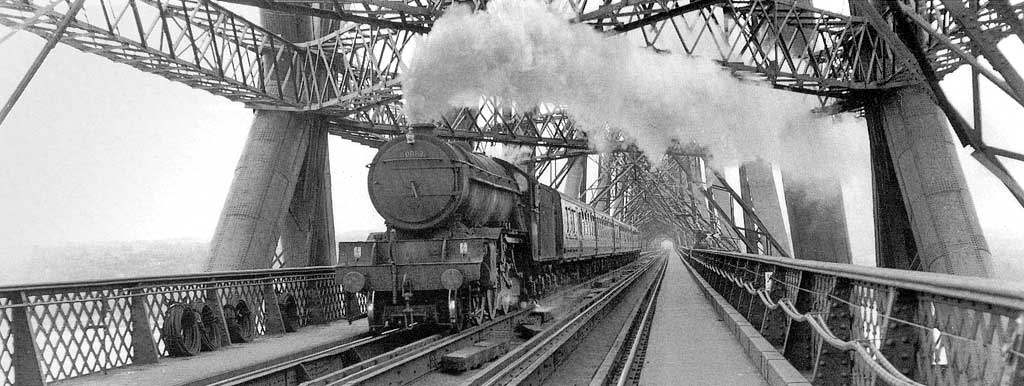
x=469, y=237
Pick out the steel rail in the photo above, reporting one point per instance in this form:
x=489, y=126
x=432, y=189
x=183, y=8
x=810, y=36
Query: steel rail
x=330, y=357
x=642, y=333
x=631, y=337
x=525, y=362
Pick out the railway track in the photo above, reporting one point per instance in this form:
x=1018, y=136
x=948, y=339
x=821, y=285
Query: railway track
x=570, y=352
x=365, y=349
x=530, y=353
x=531, y=340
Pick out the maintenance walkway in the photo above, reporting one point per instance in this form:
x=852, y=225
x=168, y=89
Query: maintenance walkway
x=690, y=344
x=231, y=360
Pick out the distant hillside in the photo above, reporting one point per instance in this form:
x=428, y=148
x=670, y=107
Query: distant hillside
x=89, y=261
x=356, y=235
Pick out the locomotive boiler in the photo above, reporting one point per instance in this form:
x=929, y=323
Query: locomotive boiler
x=469, y=237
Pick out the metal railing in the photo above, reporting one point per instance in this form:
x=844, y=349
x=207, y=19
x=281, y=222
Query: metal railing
x=853, y=325
x=52, y=332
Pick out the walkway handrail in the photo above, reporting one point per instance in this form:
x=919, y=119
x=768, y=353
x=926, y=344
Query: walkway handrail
x=203, y=276
x=985, y=290
x=56, y=331
x=847, y=324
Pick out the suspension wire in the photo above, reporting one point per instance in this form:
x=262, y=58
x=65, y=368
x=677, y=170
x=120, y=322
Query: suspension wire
x=50, y=43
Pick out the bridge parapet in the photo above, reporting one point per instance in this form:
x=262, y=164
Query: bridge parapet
x=853, y=325
x=52, y=332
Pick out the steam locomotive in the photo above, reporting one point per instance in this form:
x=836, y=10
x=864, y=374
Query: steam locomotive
x=469, y=237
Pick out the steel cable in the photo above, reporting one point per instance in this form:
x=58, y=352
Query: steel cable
x=209, y=323
x=240, y=324
x=181, y=331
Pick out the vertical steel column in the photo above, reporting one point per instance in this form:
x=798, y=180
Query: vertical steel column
x=27, y=358
x=144, y=347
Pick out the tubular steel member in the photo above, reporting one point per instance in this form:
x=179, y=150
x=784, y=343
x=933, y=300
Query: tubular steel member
x=903, y=327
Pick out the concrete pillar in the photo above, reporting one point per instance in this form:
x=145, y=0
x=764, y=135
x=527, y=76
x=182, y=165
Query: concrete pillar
x=939, y=207
x=304, y=230
x=817, y=220
x=267, y=172
x=758, y=188
x=894, y=238
x=575, y=184
x=325, y=234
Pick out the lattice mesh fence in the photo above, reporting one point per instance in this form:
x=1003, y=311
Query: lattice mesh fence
x=870, y=309
x=82, y=332
x=251, y=291
x=969, y=343
x=83, y=329
x=821, y=304
x=6, y=342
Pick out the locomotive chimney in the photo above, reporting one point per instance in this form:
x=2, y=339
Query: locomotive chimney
x=422, y=128
x=418, y=129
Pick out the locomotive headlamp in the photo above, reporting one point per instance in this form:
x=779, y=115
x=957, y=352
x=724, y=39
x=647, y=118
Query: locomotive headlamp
x=353, y=282
x=451, y=279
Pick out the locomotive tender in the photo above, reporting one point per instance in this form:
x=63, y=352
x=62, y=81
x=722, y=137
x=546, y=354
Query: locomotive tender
x=469, y=237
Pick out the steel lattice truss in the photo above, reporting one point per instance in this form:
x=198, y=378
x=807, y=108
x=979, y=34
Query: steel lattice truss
x=350, y=74
x=672, y=195
x=205, y=46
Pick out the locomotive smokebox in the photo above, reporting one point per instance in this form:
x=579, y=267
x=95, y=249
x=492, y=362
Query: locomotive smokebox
x=420, y=182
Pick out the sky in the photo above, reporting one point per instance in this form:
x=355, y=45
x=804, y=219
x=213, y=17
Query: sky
x=97, y=151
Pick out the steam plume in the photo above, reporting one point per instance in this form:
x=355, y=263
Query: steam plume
x=527, y=55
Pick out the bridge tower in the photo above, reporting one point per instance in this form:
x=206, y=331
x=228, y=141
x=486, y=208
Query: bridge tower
x=925, y=216
x=281, y=187
x=929, y=201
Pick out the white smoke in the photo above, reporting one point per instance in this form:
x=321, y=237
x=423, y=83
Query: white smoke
x=526, y=55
